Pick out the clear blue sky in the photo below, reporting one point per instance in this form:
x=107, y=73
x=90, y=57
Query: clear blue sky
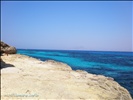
x=68, y=25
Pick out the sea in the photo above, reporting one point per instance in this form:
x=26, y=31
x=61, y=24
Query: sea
x=118, y=65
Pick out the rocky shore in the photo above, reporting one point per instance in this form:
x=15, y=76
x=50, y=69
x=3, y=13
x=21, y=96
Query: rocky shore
x=23, y=78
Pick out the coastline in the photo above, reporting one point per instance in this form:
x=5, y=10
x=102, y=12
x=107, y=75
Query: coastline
x=25, y=77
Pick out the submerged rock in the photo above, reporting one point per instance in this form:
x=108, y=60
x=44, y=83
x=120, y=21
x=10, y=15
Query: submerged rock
x=5, y=48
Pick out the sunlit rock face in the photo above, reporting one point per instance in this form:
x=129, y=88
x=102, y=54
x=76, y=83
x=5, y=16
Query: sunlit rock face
x=24, y=77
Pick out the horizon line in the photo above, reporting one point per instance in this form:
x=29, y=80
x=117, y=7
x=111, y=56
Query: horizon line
x=75, y=50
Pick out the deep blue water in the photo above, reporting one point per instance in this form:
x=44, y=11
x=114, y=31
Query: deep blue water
x=118, y=65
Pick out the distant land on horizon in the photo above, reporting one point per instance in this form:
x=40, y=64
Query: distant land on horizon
x=74, y=50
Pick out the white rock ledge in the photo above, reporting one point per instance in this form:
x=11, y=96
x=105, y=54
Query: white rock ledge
x=24, y=78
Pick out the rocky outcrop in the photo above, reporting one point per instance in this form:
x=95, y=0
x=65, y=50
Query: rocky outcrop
x=5, y=48
x=34, y=79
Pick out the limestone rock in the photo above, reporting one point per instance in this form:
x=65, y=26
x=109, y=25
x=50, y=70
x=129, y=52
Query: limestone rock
x=25, y=80
x=58, y=65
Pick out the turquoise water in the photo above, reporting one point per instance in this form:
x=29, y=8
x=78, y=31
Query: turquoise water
x=118, y=65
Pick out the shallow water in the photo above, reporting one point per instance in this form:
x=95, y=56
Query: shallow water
x=118, y=65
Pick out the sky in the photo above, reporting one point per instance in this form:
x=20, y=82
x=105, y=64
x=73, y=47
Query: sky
x=68, y=25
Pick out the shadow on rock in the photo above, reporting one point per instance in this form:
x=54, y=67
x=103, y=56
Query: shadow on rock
x=5, y=65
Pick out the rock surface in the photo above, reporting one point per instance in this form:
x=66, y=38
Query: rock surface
x=23, y=77
x=5, y=48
